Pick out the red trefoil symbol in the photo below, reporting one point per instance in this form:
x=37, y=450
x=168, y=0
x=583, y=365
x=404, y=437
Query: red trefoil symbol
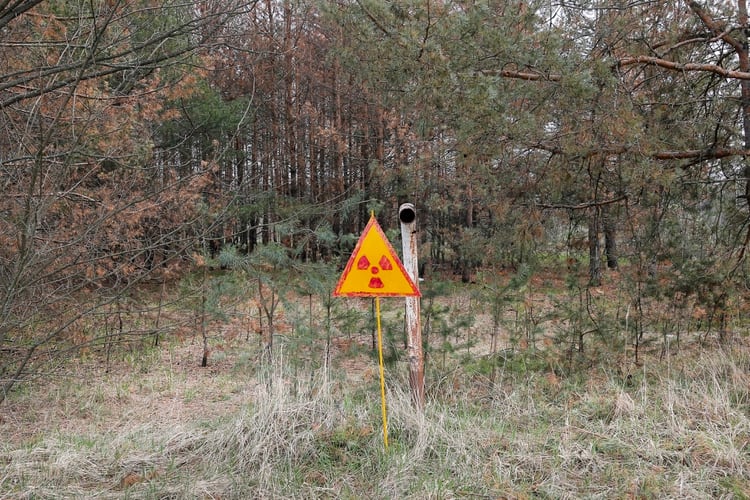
x=385, y=265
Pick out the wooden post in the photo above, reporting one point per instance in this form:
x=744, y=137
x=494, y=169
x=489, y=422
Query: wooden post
x=408, y=216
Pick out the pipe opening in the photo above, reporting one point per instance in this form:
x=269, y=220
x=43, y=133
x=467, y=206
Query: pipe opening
x=407, y=214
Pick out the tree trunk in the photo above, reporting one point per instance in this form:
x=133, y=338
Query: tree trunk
x=595, y=266
x=740, y=46
x=744, y=60
x=610, y=241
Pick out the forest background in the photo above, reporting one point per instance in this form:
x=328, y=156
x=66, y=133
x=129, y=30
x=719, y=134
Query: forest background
x=157, y=156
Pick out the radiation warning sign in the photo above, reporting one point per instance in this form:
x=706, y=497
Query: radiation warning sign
x=374, y=269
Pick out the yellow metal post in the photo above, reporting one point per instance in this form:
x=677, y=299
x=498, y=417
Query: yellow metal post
x=382, y=373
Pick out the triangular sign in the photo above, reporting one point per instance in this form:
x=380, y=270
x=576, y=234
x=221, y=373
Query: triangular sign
x=374, y=269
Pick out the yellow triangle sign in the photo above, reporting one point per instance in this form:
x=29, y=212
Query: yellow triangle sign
x=374, y=269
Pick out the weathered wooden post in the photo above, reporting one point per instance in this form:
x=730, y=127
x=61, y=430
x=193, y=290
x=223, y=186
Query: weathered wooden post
x=408, y=217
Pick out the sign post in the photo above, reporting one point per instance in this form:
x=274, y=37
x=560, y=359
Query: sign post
x=374, y=270
x=408, y=216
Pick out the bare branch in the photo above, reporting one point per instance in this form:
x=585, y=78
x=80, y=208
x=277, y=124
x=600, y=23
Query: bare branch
x=684, y=67
x=523, y=75
x=581, y=206
x=10, y=11
x=719, y=29
x=687, y=154
x=703, y=154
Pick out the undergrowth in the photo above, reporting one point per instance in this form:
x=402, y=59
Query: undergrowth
x=676, y=428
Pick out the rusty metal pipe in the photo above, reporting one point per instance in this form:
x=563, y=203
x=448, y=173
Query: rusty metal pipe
x=407, y=214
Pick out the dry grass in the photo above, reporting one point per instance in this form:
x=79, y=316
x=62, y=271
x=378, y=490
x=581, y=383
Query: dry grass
x=157, y=426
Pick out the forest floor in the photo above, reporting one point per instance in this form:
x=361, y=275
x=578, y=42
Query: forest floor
x=152, y=423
